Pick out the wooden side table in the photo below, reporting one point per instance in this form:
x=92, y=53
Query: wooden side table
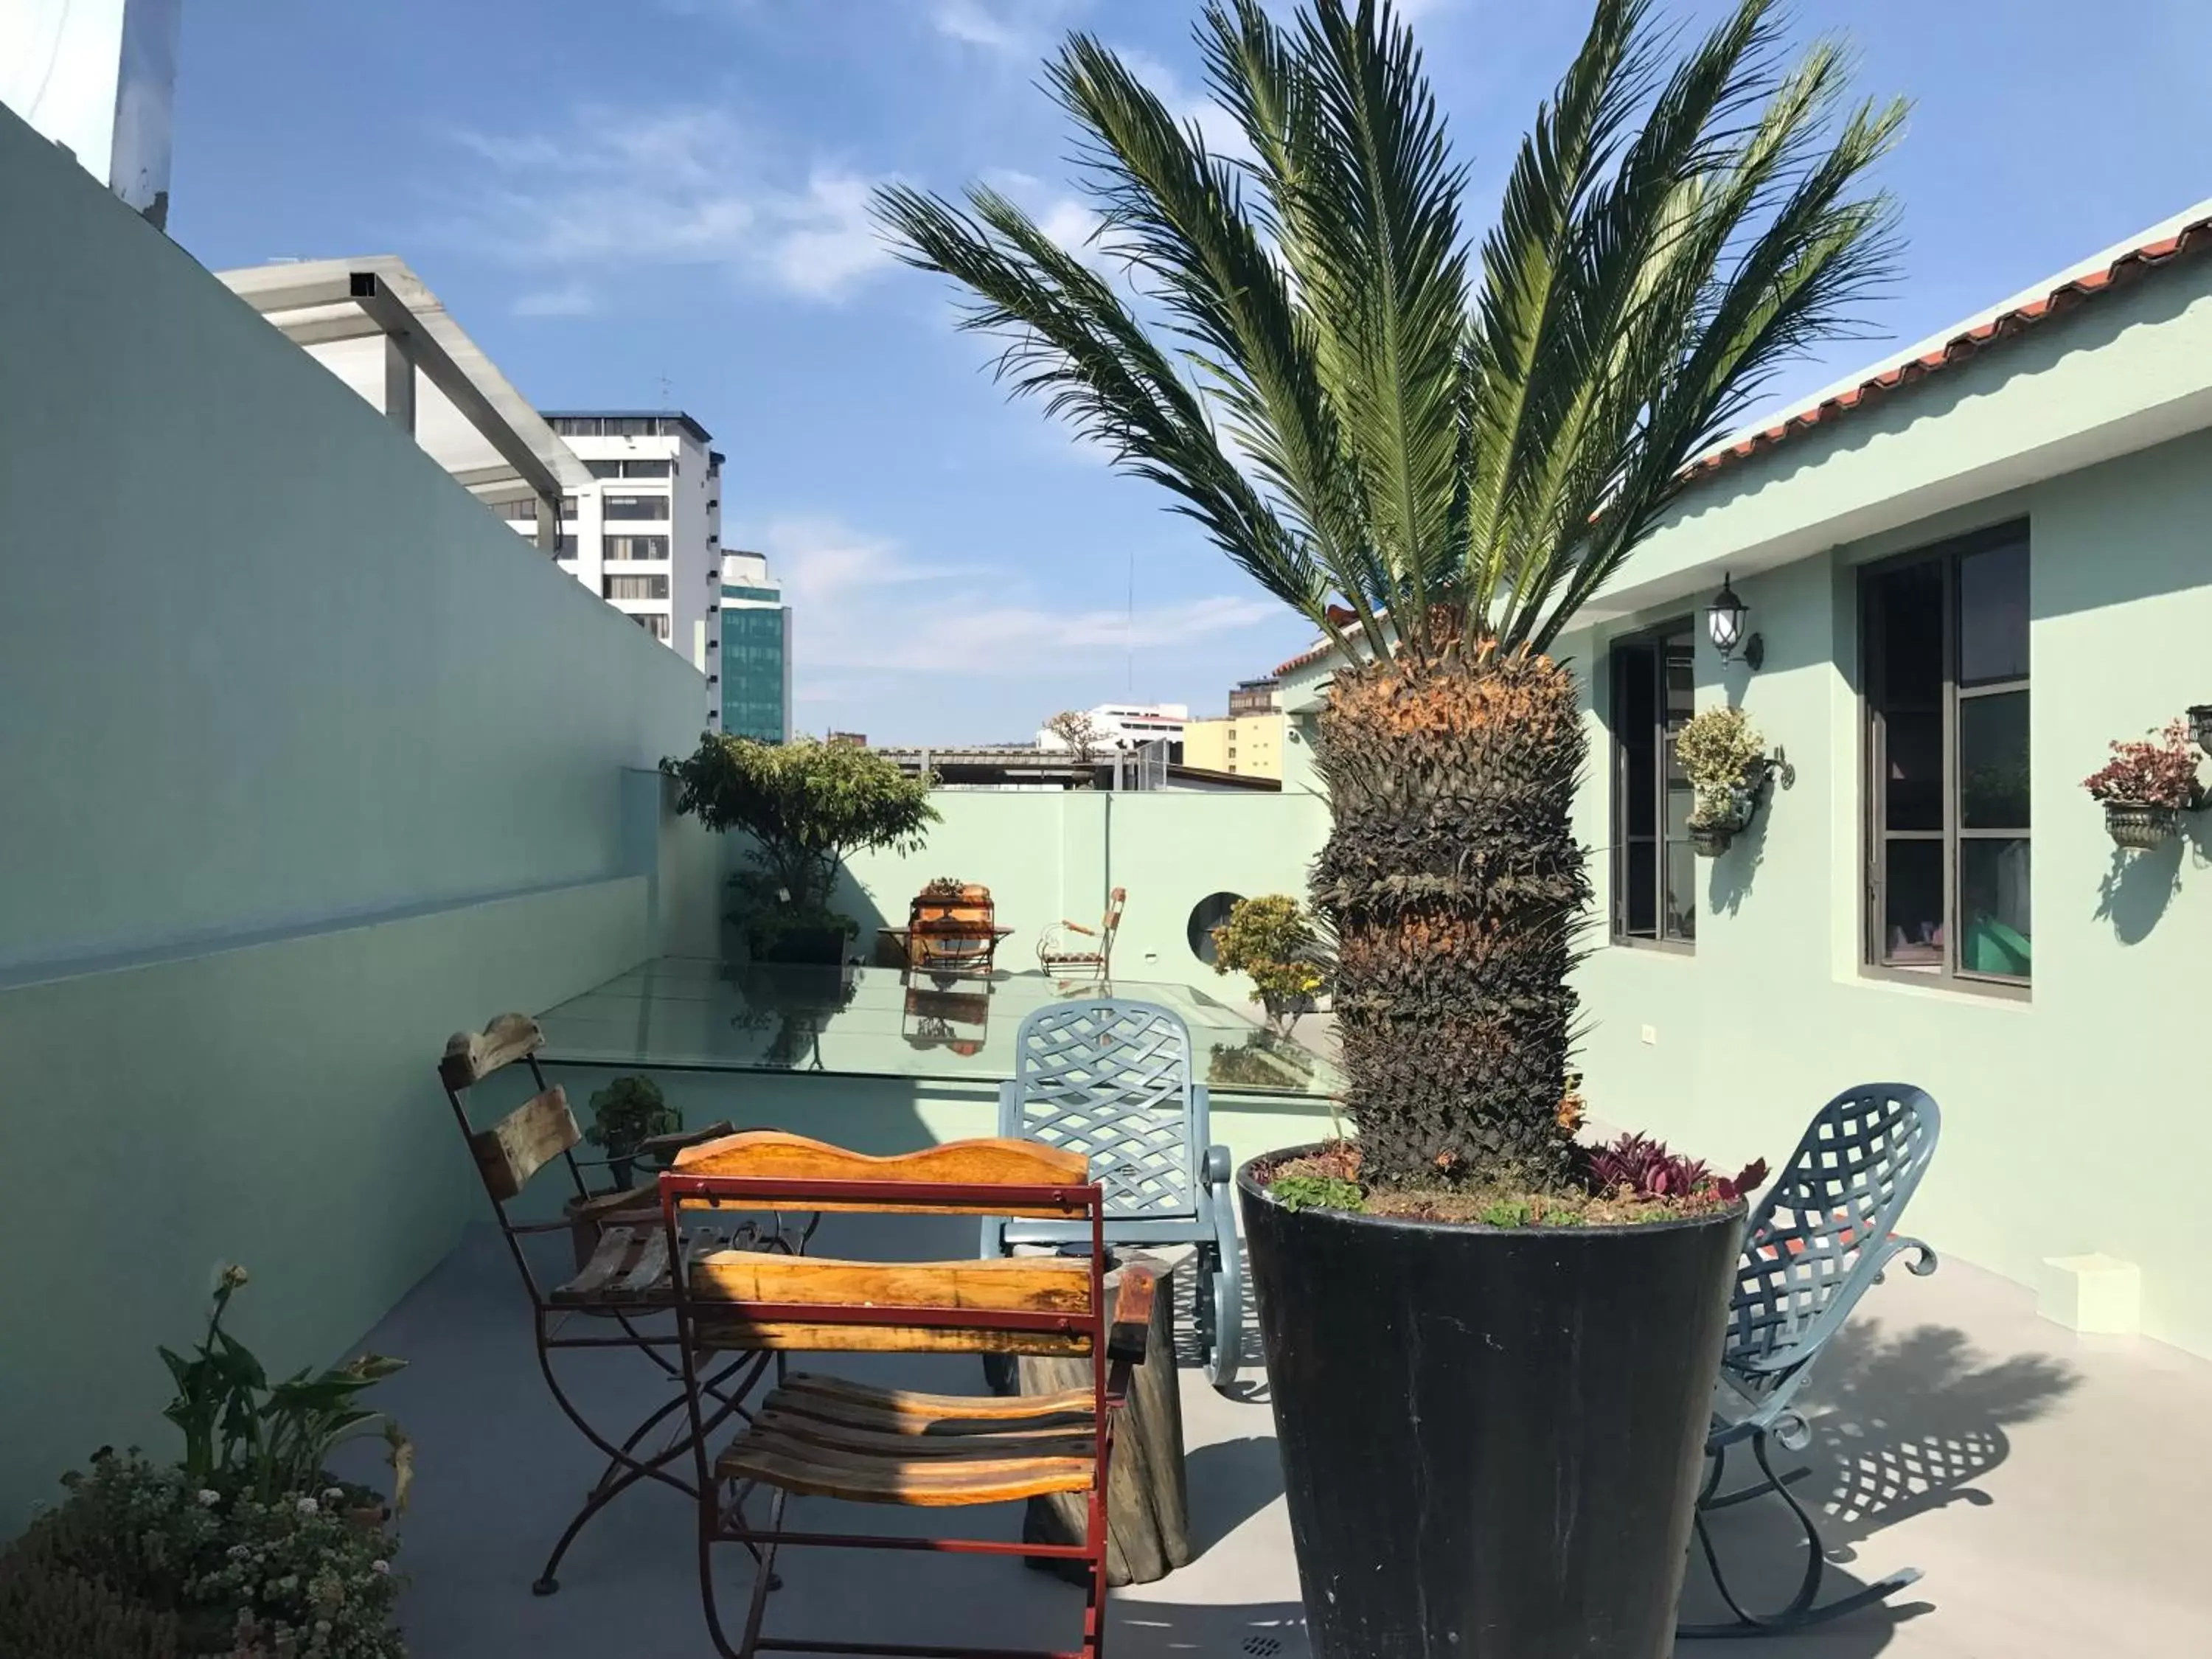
x=1147, y=1515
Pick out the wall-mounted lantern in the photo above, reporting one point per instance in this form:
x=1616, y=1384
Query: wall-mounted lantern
x=1724, y=620
x=2200, y=725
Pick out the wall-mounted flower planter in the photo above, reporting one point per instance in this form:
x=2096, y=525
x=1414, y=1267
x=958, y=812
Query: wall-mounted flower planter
x=1711, y=837
x=2140, y=827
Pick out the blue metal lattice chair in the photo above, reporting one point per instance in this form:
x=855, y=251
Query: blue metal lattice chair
x=1822, y=1236
x=1112, y=1079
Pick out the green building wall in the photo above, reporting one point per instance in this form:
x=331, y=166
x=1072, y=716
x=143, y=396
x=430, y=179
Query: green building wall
x=2074, y=1121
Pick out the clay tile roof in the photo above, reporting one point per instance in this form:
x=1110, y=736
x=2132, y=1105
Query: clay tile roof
x=2122, y=269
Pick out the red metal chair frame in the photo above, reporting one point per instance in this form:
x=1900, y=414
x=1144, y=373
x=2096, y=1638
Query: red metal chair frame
x=1116, y=1348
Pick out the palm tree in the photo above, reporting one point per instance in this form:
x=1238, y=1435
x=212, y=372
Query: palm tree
x=1435, y=457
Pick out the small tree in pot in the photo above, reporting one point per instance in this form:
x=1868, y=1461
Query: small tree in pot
x=625, y=1114
x=806, y=806
x=1724, y=758
x=1272, y=940
x=1437, y=459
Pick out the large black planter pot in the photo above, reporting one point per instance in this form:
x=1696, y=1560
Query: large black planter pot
x=1492, y=1438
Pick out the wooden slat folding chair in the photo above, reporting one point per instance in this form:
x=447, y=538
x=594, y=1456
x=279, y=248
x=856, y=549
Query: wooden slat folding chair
x=626, y=1278
x=818, y=1435
x=1091, y=955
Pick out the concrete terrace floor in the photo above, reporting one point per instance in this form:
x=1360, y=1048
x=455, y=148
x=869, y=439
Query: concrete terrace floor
x=2050, y=1486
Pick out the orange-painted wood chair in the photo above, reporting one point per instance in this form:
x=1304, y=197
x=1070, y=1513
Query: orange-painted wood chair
x=822, y=1436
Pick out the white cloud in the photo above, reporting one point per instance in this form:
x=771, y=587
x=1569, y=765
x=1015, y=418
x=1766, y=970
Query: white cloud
x=569, y=299
x=674, y=185
x=865, y=608
x=1006, y=29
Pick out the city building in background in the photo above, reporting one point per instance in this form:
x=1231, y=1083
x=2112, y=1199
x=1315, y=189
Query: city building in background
x=1248, y=742
x=750, y=627
x=645, y=534
x=1127, y=725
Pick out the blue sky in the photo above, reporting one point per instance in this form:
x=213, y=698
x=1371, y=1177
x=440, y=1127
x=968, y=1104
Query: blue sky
x=654, y=202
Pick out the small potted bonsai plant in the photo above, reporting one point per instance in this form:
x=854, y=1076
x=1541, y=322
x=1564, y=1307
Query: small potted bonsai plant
x=1272, y=939
x=805, y=806
x=627, y=1112
x=1724, y=758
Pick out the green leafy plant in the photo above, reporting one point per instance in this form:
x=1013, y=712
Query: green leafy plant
x=153, y=1564
x=628, y=1110
x=1509, y=1212
x=1435, y=453
x=1272, y=939
x=270, y=1441
x=1309, y=1192
x=806, y=806
x=1723, y=756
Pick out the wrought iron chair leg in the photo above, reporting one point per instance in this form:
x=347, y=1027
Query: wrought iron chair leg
x=1225, y=1287
x=623, y=1470
x=1756, y=1489
x=1801, y=1609
x=764, y=1580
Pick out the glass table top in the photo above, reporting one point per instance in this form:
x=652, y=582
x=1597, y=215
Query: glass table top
x=684, y=1013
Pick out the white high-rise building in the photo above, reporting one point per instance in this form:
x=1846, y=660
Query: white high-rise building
x=647, y=534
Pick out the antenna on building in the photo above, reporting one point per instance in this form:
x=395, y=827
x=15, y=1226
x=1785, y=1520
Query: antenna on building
x=1129, y=628
x=663, y=390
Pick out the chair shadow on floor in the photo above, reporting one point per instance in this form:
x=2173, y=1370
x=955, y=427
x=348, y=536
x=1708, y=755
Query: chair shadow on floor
x=1902, y=1426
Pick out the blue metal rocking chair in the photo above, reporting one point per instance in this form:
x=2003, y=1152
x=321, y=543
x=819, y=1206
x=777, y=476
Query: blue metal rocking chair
x=1112, y=1079
x=1823, y=1236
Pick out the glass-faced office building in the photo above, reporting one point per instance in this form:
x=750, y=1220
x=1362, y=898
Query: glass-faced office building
x=753, y=630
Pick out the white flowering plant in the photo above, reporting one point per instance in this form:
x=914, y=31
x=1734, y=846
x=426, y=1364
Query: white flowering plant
x=219, y=1572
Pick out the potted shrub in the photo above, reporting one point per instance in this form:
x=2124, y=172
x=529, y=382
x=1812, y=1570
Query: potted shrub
x=1490, y=1378
x=805, y=807
x=2146, y=786
x=627, y=1112
x=1724, y=758
x=1272, y=940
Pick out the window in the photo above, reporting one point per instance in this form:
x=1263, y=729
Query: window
x=628, y=469
x=622, y=549
x=637, y=507
x=1655, y=891
x=635, y=587
x=656, y=625
x=522, y=512
x=567, y=506
x=1943, y=640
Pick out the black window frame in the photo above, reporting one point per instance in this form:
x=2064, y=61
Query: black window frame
x=1950, y=553
x=1651, y=641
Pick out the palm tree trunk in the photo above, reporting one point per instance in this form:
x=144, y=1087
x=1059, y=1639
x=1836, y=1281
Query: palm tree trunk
x=1457, y=890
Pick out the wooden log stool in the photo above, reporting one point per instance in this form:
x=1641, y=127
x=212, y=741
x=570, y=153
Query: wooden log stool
x=1147, y=1517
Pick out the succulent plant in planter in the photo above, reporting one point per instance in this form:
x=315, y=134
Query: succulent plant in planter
x=1724, y=758
x=1440, y=455
x=2146, y=786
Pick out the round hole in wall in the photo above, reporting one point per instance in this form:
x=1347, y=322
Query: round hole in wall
x=1208, y=913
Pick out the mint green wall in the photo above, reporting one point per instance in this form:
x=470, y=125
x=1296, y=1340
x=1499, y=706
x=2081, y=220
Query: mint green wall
x=2074, y=1121
x=1046, y=856
x=308, y=762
